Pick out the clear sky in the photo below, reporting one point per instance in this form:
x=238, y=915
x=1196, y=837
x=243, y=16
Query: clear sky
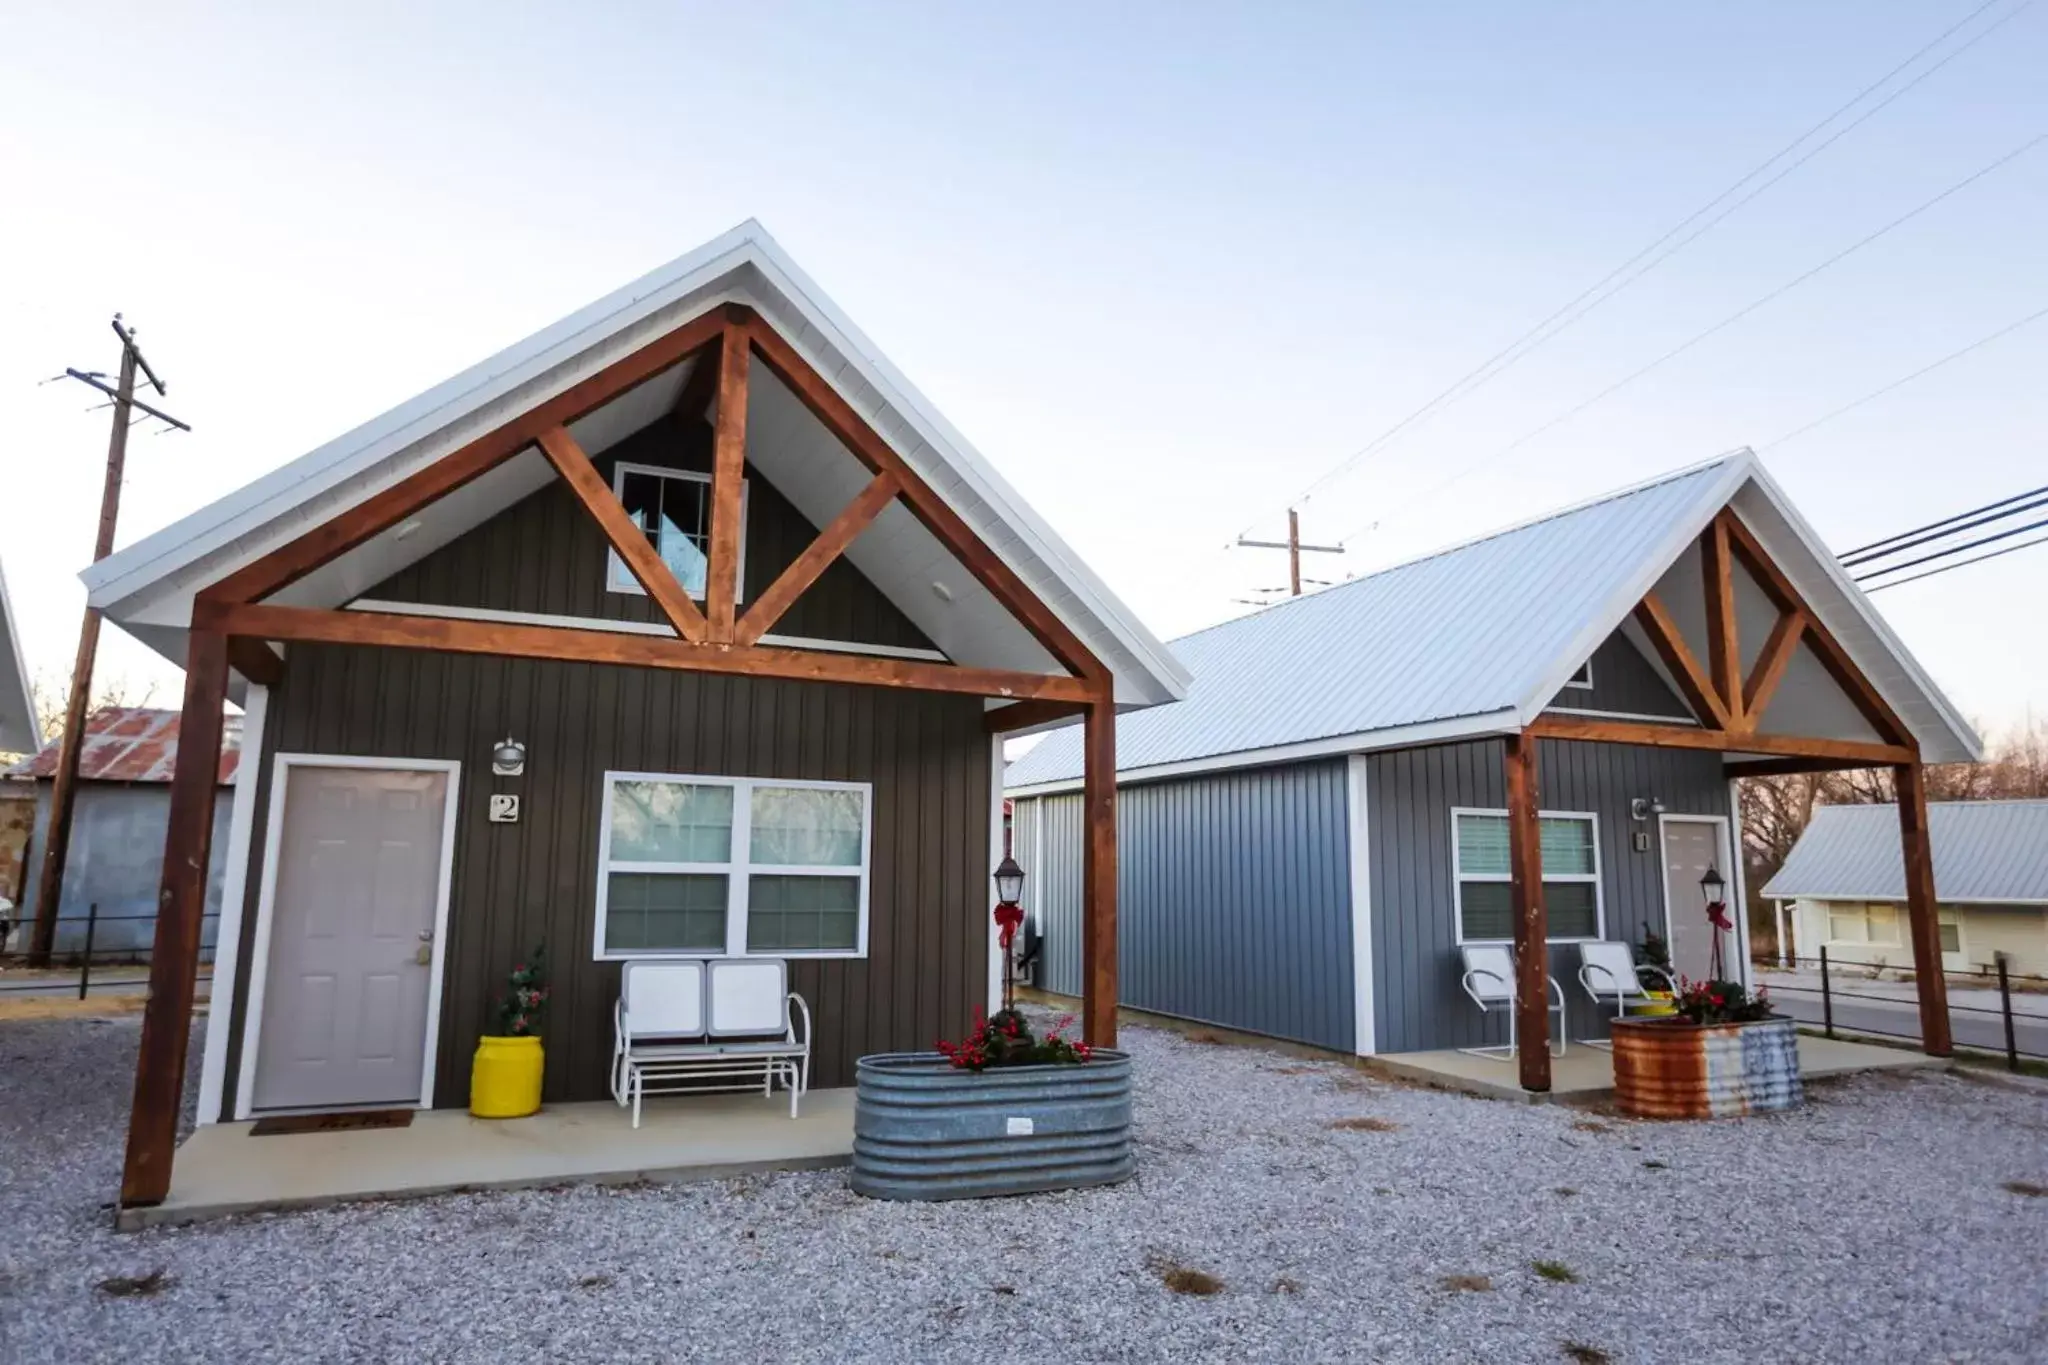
x=1163, y=264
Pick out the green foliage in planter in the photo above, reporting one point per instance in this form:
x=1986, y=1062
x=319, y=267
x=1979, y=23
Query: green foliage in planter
x=1005, y=1039
x=1721, y=1002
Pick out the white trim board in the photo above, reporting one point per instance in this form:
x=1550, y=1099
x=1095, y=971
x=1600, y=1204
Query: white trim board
x=234, y=895
x=259, y=965
x=995, y=859
x=1357, y=791
x=606, y=626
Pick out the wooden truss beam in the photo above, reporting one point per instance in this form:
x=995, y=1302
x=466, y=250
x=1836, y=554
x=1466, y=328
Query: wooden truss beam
x=831, y=543
x=1779, y=647
x=254, y=660
x=1789, y=767
x=1724, y=648
x=728, y=464
x=1833, y=657
x=181, y=904
x=1020, y=714
x=702, y=385
x=1098, y=873
x=385, y=509
x=627, y=539
x=1922, y=915
x=455, y=636
x=1531, y=920
x=1693, y=683
x=1854, y=752
x=839, y=417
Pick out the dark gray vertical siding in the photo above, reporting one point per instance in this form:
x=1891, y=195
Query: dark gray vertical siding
x=1233, y=899
x=1623, y=683
x=1417, y=1001
x=516, y=885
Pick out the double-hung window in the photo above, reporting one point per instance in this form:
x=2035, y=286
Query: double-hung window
x=1854, y=922
x=1571, y=875
x=672, y=508
x=725, y=866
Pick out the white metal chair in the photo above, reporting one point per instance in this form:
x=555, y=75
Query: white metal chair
x=1489, y=978
x=700, y=1026
x=1609, y=971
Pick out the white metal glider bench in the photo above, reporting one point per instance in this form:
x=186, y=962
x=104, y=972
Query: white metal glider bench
x=1609, y=971
x=1489, y=979
x=725, y=1024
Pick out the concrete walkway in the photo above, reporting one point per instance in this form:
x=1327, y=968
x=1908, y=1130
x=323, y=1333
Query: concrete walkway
x=221, y=1169
x=1587, y=1074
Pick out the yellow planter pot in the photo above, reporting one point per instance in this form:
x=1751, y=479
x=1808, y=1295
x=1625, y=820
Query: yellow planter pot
x=504, y=1081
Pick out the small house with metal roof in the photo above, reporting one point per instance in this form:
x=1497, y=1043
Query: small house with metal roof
x=1844, y=886
x=1529, y=739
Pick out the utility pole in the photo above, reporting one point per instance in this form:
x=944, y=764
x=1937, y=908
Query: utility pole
x=1295, y=550
x=64, y=785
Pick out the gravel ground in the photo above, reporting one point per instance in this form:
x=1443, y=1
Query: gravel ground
x=1875, y=1224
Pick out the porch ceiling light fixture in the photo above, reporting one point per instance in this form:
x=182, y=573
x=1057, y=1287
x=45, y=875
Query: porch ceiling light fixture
x=509, y=758
x=1641, y=808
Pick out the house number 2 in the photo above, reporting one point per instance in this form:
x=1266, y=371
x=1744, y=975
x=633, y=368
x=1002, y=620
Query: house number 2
x=504, y=808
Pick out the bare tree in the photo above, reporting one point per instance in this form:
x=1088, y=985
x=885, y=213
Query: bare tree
x=51, y=693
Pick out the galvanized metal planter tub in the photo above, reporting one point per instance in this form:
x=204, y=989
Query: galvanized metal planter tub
x=923, y=1129
x=1671, y=1069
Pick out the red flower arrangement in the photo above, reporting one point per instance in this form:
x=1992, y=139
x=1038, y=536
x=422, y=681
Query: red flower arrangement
x=1005, y=1039
x=1721, y=1002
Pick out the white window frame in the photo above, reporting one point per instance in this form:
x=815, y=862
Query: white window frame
x=737, y=871
x=1862, y=908
x=1583, y=679
x=1459, y=877
x=618, y=578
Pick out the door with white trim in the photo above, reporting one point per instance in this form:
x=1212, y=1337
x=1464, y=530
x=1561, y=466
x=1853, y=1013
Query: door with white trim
x=358, y=860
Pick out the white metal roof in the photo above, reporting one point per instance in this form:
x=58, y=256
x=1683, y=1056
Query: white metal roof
x=1477, y=639
x=148, y=587
x=19, y=731
x=1984, y=852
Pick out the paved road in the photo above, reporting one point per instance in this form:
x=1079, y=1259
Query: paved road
x=1971, y=1028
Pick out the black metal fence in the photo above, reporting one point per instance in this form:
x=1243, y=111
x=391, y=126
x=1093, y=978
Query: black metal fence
x=89, y=962
x=1845, y=1000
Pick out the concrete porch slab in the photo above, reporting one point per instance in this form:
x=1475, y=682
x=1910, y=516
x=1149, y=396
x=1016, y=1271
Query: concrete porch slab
x=222, y=1170
x=1586, y=1074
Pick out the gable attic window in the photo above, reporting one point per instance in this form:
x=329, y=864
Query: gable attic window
x=724, y=867
x=1583, y=679
x=1571, y=875
x=672, y=508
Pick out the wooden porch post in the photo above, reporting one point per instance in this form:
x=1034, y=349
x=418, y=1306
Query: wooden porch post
x=1921, y=913
x=1532, y=925
x=174, y=960
x=1098, y=874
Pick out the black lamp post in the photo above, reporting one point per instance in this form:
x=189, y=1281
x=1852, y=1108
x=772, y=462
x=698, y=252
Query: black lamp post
x=1009, y=915
x=1714, y=887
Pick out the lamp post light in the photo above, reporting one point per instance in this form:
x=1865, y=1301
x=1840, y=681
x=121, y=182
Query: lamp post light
x=1009, y=880
x=1714, y=887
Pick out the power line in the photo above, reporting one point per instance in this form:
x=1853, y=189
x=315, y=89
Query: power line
x=1954, y=550
x=1565, y=317
x=1960, y=564
x=1862, y=550
x=1932, y=535
x=1903, y=380
x=1733, y=318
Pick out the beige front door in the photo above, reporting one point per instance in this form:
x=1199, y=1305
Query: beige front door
x=1690, y=848
x=355, y=901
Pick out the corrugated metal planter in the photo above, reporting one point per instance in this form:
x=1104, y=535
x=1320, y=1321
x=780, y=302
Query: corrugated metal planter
x=923, y=1129
x=1670, y=1069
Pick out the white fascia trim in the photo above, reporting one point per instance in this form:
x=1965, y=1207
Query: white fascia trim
x=1621, y=715
x=1713, y=496
x=227, y=936
x=1396, y=737
x=1364, y=1030
x=1888, y=898
x=1859, y=602
x=605, y=626
x=355, y=452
